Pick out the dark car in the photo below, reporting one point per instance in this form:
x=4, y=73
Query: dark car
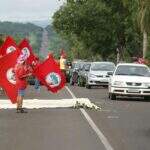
x=82, y=75
x=76, y=68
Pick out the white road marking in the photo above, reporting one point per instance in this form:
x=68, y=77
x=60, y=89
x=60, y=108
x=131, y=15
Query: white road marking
x=94, y=126
x=73, y=96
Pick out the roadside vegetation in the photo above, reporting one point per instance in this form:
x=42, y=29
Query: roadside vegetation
x=55, y=41
x=100, y=29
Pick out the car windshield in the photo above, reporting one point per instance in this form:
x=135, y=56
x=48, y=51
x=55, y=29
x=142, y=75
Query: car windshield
x=77, y=65
x=86, y=67
x=82, y=65
x=102, y=67
x=132, y=70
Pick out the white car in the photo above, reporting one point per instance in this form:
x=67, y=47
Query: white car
x=130, y=79
x=98, y=74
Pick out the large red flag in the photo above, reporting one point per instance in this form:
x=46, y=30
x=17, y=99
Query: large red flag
x=25, y=47
x=7, y=75
x=8, y=46
x=50, y=75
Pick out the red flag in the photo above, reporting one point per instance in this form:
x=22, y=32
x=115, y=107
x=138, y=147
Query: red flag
x=50, y=75
x=25, y=47
x=7, y=75
x=141, y=61
x=8, y=46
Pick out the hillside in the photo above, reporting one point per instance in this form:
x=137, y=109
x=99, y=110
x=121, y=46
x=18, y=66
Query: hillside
x=21, y=30
x=41, y=23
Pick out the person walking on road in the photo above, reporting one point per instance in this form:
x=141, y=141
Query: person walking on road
x=63, y=64
x=22, y=71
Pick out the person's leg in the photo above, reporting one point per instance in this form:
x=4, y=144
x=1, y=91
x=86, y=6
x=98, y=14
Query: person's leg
x=20, y=101
x=37, y=85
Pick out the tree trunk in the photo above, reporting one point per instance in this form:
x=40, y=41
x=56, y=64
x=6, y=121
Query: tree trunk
x=120, y=54
x=145, y=43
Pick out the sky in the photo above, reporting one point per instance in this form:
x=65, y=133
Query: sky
x=28, y=10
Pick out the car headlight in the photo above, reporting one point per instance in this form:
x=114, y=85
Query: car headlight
x=85, y=74
x=92, y=76
x=117, y=83
x=147, y=84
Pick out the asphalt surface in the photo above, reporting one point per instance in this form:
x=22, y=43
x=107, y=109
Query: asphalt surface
x=124, y=123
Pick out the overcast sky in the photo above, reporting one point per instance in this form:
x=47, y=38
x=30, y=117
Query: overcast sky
x=28, y=10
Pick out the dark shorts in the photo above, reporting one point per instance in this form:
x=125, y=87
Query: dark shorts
x=64, y=71
x=21, y=92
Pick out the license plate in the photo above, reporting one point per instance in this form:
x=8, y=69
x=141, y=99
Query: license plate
x=133, y=91
x=104, y=80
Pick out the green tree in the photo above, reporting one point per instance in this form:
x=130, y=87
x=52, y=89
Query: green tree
x=100, y=26
x=142, y=15
x=56, y=42
x=144, y=21
x=90, y=22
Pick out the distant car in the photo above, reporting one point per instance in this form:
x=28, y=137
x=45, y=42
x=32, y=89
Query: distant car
x=76, y=67
x=82, y=75
x=130, y=79
x=98, y=74
x=69, y=66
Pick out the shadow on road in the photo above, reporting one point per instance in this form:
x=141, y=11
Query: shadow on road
x=137, y=99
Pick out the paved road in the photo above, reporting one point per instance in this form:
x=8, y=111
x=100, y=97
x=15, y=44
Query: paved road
x=124, y=123
x=44, y=46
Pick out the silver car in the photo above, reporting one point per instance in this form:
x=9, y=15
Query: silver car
x=98, y=74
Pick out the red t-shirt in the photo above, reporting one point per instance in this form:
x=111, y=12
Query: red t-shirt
x=21, y=72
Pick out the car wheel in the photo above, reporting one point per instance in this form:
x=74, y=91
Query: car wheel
x=112, y=96
x=88, y=86
x=105, y=86
x=109, y=95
